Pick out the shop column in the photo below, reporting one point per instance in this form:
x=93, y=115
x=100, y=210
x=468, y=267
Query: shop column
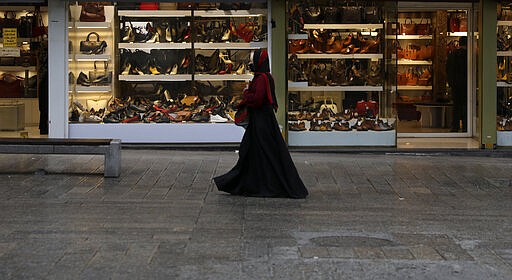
x=58, y=67
x=487, y=73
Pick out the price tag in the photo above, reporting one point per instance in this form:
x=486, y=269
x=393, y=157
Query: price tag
x=10, y=52
x=10, y=37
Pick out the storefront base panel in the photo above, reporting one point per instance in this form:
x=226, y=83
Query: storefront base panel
x=342, y=138
x=504, y=138
x=160, y=133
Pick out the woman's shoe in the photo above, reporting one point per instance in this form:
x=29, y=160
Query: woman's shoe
x=154, y=38
x=168, y=34
x=130, y=35
x=174, y=70
x=154, y=70
x=127, y=69
x=83, y=79
x=240, y=69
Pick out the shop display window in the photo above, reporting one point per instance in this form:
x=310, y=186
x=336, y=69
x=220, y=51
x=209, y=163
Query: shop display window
x=23, y=41
x=166, y=63
x=338, y=91
x=504, y=67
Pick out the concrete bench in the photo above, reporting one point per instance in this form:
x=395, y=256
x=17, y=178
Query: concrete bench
x=111, y=148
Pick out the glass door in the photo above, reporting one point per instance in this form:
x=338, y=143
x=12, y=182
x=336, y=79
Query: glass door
x=435, y=78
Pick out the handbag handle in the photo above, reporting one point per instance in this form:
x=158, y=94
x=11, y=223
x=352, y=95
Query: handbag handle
x=93, y=33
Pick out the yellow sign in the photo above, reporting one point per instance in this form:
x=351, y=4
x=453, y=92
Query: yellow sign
x=10, y=37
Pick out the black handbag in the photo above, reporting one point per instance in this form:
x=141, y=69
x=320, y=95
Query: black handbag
x=25, y=27
x=100, y=76
x=372, y=13
x=331, y=13
x=93, y=47
x=352, y=12
x=313, y=14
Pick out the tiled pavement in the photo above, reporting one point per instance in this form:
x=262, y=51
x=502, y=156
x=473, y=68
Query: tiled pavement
x=367, y=217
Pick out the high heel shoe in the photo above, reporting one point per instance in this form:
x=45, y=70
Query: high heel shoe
x=83, y=79
x=168, y=34
x=154, y=70
x=226, y=34
x=154, y=38
x=174, y=70
x=127, y=69
x=130, y=35
x=240, y=69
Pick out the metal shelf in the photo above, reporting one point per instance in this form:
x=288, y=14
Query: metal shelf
x=414, y=87
x=91, y=25
x=17, y=68
x=155, y=78
x=413, y=62
x=225, y=77
x=298, y=36
x=410, y=37
x=92, y=57
x=151, y=46
x=79, y=88
x=155, y=13
x=340, y=56
x=503, y=84
x=504, y=53
x=504, y=23
x=231, y=13
x=337, y=88
x=361, y=26
x=229, y=45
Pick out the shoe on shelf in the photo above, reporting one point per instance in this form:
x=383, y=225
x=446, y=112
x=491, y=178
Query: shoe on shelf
x=214, y=118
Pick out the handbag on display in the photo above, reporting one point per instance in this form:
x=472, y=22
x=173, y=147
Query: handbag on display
x=242, y=116
x=313, y=14
x=11, y=86
x=424, y=28
x=352, y=12
x=367, y=108
x=148, y=6
x=408, y=28
x=329, y=105
x=38, y=27
x=100, y=76
x=331, y=13
x=7, y=61
x=372, y=13
x=93, y=47
x=25, y=27
x=92, y=12
x=96, y=104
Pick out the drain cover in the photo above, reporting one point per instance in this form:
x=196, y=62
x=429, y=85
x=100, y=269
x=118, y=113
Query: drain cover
x=351, y=241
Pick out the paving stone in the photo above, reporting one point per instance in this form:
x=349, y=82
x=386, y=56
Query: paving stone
x=367, y=217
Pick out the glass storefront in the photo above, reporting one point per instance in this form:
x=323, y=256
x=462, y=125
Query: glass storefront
x=504, y=74
x=341, y=65
x=23, y=68
x=167, y=72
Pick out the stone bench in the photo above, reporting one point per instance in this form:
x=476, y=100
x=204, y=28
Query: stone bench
x=111, y=148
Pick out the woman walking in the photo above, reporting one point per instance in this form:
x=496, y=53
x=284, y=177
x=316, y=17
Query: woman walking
x=265, y=167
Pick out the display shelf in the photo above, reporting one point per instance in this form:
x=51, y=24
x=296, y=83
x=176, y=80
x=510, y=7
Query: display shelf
x=292, y=84
x=503, y=84
x=340, y=56
x=504, y=53
x=229, y=45
x=160, y=132
x=359, y=26
x=17, y=68
x=80, y=88
x=92, y=57
x=457, y=34
x=337, y=88
x=298, y=36
x=91, y=25
x=155, y=78
x=155, y=13
x=231, y=13
x=413, y=62
x=157, y=46
x=225, y=77
x=410, y=37
x=504, y=23
x=414, y=87
x=342, y=138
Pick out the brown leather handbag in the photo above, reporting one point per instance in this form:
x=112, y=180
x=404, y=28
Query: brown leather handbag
x=408, y=28
x=424, y=28
x=92, y=12
x=11, y=86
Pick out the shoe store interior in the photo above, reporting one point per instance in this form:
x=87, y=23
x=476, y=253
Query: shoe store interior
x=382, y=73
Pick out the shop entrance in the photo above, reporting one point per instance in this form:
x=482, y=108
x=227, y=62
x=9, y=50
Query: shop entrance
x=23, y=69
x=436, y=75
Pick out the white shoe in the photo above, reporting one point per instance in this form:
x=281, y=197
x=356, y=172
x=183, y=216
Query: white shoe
x=217, y=119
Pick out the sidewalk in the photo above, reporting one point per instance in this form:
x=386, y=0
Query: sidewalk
x=368, y=216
